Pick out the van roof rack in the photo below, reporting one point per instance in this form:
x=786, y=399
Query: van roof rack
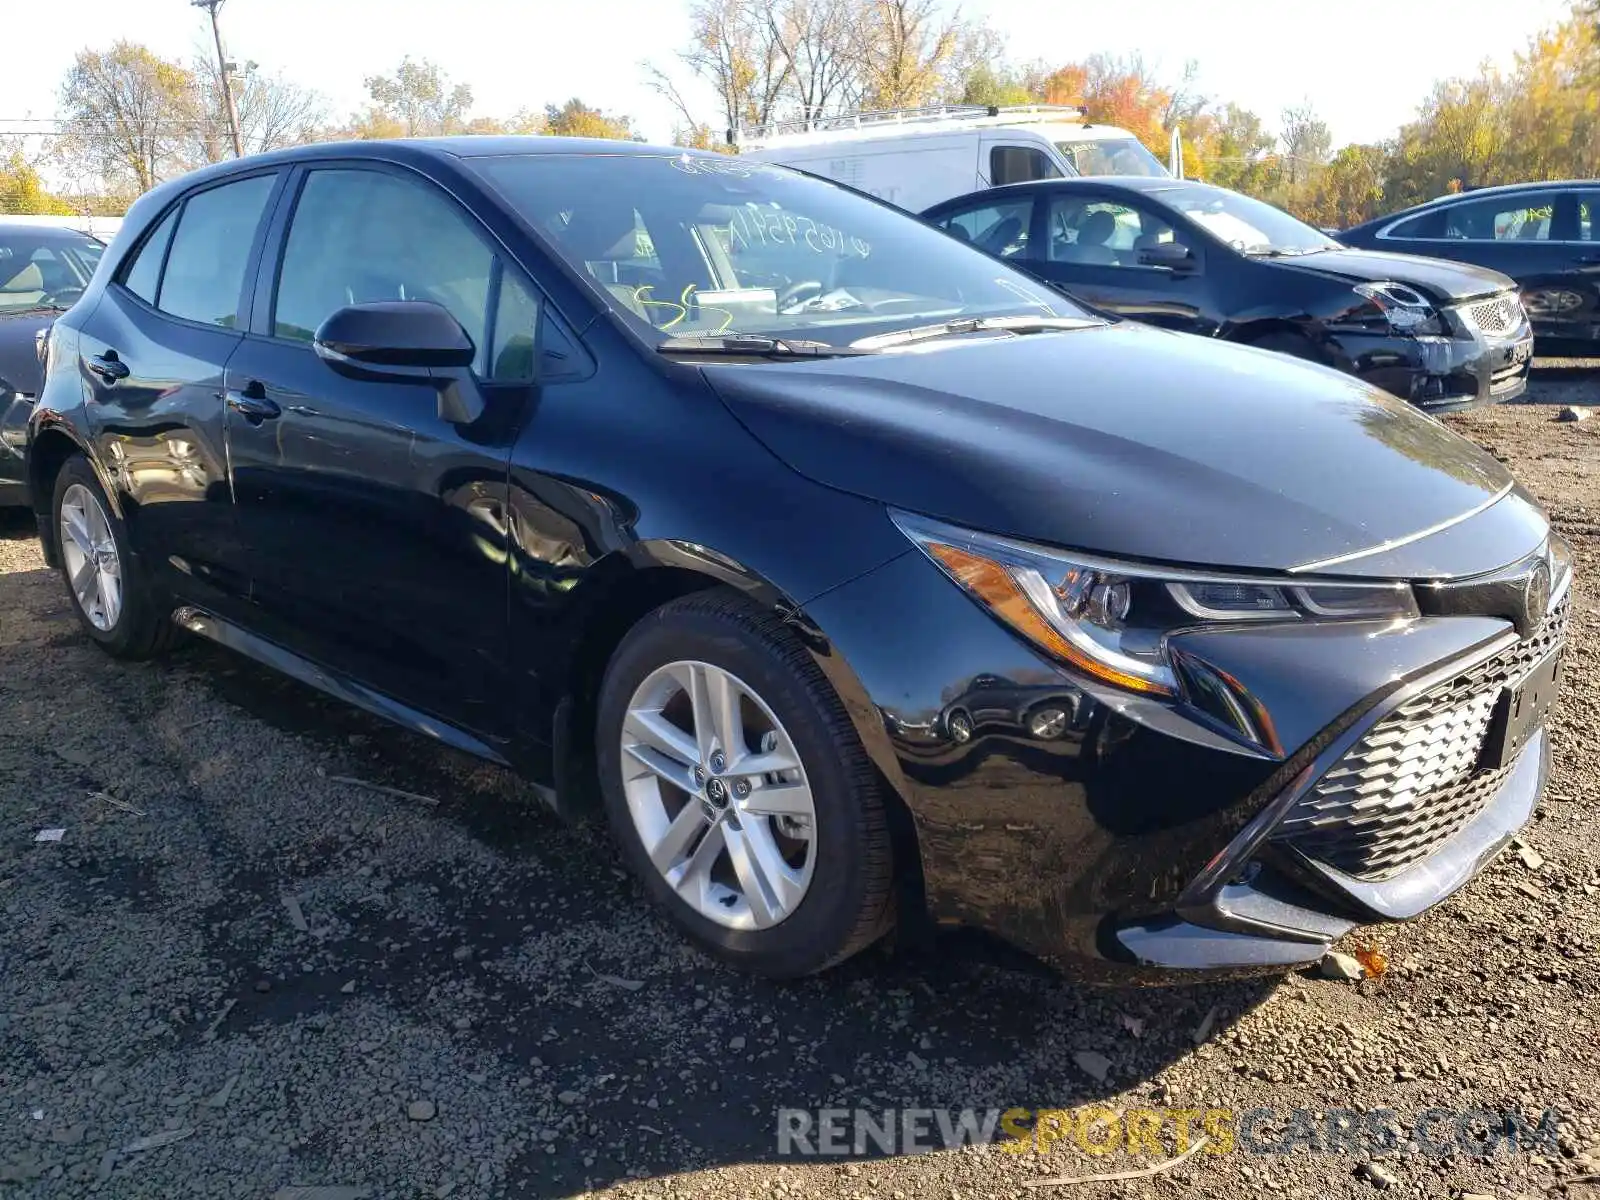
x=899, y=116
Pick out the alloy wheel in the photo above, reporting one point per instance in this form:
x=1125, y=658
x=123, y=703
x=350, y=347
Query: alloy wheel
x=718, y=795
x=90, y=552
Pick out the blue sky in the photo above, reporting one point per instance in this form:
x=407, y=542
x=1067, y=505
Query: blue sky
x=1365, y=66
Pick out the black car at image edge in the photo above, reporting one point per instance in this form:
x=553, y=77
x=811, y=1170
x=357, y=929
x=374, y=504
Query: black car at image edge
x=1544, y=235
x=43, y=271
x=1208, y=261
x=857, y=581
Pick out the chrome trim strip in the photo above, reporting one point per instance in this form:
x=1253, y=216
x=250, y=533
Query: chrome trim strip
x=1322, y=564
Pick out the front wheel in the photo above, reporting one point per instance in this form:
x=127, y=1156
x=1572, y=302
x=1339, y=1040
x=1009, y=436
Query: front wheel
x=739, y=792
x=1296, y=345
x=114, y=603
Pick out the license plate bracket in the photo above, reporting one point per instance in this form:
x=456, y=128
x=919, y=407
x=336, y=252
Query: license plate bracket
x=1519, y=710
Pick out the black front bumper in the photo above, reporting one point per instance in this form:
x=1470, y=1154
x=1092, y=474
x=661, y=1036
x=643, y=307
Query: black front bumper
x=1128, y=841
x=1441, y=374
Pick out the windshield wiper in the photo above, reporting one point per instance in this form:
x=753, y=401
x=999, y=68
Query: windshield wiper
x=751, y=345
x=965, y=325
x=1283, y=251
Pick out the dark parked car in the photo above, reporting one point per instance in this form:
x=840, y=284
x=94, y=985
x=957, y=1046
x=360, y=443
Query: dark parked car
x=1546, y=236
x=1205, y=260
x=43, y=271
x=537, y=447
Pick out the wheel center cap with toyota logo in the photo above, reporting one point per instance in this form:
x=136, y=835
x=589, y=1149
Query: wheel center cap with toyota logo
x=716, y=799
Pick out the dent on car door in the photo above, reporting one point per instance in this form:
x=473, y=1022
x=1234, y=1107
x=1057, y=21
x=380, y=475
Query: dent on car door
x=152, y=355
x=376, y=524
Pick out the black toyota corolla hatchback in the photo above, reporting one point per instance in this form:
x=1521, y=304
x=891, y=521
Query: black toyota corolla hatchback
x=857, y=579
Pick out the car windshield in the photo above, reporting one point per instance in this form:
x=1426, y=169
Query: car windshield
x=1112, y=156
x=696, y=246
x=1249, y=226
x=44, y=268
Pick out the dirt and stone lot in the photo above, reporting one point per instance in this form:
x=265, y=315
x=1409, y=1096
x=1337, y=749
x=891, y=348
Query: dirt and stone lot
x=239, y=974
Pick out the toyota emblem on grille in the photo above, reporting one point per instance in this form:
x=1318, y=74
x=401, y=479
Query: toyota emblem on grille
x=1536, y=596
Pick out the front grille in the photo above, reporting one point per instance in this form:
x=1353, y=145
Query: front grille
x=1505, y=378
x=1413, y=781
x=1501, y=314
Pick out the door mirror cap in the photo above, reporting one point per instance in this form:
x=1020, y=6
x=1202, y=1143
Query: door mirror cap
x=1174, y=256
x=405, y=341
x=395, y=333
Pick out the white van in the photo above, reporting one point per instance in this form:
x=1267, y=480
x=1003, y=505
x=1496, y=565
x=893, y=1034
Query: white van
x=916, y=157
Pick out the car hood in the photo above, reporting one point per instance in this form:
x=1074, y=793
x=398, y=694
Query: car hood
x=1437, y=278
x=19, y=360
x=1138, y=442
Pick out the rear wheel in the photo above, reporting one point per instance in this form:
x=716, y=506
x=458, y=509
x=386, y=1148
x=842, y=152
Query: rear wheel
x=115, y=604
x=738, y=790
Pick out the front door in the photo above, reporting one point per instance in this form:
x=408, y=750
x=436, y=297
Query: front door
x=1093, y=247
x=376, y=526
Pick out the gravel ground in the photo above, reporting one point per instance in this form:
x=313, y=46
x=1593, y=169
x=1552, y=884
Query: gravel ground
x=240, y=974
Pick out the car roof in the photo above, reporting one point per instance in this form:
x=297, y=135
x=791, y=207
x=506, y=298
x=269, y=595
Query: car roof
x=1150, y=185
x=42, y=232
x=414, y=149
x=1506, y=189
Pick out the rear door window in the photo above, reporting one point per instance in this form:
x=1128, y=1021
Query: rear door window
x=998, y=227
x=1521, y=218
x=142, y=276
x=210, y=251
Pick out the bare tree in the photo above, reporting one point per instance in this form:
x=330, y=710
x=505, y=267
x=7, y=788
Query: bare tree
x=912, y=52
x=1307, y=142
x=735, y=48
x=821, y=50
x=273, y=112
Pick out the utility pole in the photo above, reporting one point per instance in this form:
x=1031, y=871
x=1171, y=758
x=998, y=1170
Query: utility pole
x=223, y=73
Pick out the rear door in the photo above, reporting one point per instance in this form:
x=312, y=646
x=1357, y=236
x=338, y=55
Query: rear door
x=377, y=527
x=153, y=354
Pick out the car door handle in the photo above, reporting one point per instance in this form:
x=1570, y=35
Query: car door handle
x=252, y=403
x=108, y=366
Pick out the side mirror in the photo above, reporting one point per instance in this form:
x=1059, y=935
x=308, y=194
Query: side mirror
x=1174, y=256
x=405, y=341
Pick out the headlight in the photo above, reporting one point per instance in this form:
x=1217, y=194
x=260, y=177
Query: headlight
x=1111, y=620
x=1402, y=309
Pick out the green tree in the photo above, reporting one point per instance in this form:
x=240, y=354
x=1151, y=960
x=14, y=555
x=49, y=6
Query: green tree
x=577, y=119
x=126, y=115
x=418, y=100
x=23, y=192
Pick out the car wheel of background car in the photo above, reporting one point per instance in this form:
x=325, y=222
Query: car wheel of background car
x=738, y=790
x=1285, y=341
x=114, y=603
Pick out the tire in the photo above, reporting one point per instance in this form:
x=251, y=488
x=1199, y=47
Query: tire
x=847, y=901
x=1296, y=345
x=138, y=625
